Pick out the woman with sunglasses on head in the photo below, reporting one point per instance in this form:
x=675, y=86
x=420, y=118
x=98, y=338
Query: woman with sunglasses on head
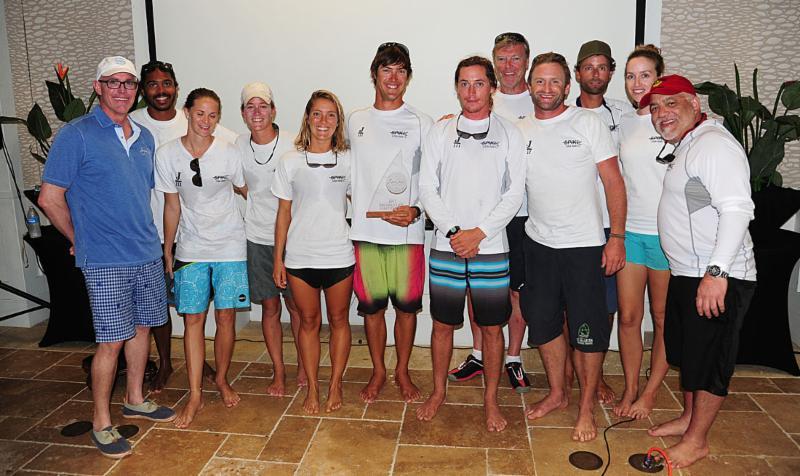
x=198, y=174
x=313, y=250
x=646, y=265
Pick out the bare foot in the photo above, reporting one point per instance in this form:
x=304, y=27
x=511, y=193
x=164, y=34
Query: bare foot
x=585, y=428
x=187, y=413
x=408, y=390
x=334, y=401
x=676, y=427
x=160, y=380
x=277, y=387
x=494, y=419
x=371, y=390
x=605, y=394
x=552, y=401
x=643, y=406
x=311, y=403
x=685, y=453
x=229, y=395
x=623, y=407
x=428, y=410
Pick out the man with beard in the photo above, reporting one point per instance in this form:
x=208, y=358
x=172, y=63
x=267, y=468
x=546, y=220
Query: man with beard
x=593, y=72
x=386, y=146
x=159, y=89
x=471, y=185
x=513, y=102
x=564, y=247
x=703, y=216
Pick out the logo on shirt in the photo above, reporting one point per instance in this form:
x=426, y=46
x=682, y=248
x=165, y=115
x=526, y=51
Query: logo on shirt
x=220, y=178
x=457, y=143
x=572, y=143
x=399, y=134
x=146, y=151
x=490, y=144
x=337, y=178
x=178, y=180
x=529, y=148
x=656, y=139
x=361, y=131
x=583, y=335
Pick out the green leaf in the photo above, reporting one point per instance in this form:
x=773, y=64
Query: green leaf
x=789, y=127
x=39, y=157
x=38, y=126
x=59, y=98
x=766, y=155
x=755, y=84
x=750, y=109
x=776, y=179
x=74, y=109
x=707, y=87
x=12, y=120
x=724, y=102
x=791, y=96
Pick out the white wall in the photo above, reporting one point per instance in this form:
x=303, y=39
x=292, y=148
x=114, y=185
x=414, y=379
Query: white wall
x=298, y=47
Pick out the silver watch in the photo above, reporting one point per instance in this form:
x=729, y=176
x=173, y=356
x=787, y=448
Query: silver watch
x=716, y=271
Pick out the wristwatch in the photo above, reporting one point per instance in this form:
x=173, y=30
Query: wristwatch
x=419, y=213
x=452, y=231
x=716, y=272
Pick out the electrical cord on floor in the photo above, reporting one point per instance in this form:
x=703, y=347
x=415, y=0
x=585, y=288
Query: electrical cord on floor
x=608, y=447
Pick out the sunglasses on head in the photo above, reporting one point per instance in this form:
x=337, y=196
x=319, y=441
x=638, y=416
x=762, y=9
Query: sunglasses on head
x=194, y=165
x=327, y=166
x=154, y=65
x=390, y=44
x=515, y=37
x=476, y=135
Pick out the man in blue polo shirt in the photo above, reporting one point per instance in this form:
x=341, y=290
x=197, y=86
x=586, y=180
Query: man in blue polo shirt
x=96, y=191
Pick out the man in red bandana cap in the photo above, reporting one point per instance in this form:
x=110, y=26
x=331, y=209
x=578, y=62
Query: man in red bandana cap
x=703, y=217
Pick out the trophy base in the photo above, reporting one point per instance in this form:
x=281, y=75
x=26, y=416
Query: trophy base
x=383, y=214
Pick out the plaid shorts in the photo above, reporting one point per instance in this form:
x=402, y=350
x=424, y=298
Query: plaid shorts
x=125, y=297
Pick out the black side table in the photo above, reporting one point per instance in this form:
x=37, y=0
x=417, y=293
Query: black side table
x=70, y=313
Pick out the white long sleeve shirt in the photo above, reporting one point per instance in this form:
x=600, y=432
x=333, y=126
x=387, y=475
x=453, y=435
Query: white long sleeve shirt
x=472, y=183
x=706, y=207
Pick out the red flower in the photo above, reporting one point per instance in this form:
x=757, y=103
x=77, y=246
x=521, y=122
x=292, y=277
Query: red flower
x=61, y=71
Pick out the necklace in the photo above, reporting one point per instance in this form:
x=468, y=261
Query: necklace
x=277, y=136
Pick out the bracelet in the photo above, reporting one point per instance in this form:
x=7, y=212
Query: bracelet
x=621, y=236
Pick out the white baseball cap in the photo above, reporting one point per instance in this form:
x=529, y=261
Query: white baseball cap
x=256, y=90
x=115, y=64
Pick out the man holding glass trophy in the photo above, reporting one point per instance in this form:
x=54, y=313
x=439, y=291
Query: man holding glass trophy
x=387, y=231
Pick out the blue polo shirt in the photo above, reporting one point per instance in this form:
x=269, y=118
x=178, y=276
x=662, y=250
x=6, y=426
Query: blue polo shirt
x=108, y=190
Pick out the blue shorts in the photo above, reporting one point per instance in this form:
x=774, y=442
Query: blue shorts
x=485, y=276
x=125, y=297
x=645, y=250
x=193, y=283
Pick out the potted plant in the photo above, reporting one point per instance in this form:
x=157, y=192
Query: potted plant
x=66, y=107
x=764, y=133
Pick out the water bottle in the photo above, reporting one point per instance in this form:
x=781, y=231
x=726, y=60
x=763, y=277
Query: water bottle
x=33, y=223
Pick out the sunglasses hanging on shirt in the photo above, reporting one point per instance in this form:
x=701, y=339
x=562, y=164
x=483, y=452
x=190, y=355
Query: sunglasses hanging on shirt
x=197, y=179
x=327, y=166
x=477, y=135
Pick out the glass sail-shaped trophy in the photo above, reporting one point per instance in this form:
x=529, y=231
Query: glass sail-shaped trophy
x=394, y=190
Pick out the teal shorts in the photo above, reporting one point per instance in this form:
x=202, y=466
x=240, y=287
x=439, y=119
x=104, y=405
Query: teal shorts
x=194, y=282
x=645, y=250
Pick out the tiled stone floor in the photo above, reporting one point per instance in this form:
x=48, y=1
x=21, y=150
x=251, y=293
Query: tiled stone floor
x=41, y=390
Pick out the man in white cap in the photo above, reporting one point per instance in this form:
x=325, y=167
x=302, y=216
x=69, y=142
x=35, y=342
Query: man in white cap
x=96, y=191
x=261, y=148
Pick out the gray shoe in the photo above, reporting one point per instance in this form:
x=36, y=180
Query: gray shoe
x=111, y=443
x=148, y=410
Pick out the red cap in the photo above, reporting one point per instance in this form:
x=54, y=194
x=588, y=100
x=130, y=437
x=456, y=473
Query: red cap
x=667, y=86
